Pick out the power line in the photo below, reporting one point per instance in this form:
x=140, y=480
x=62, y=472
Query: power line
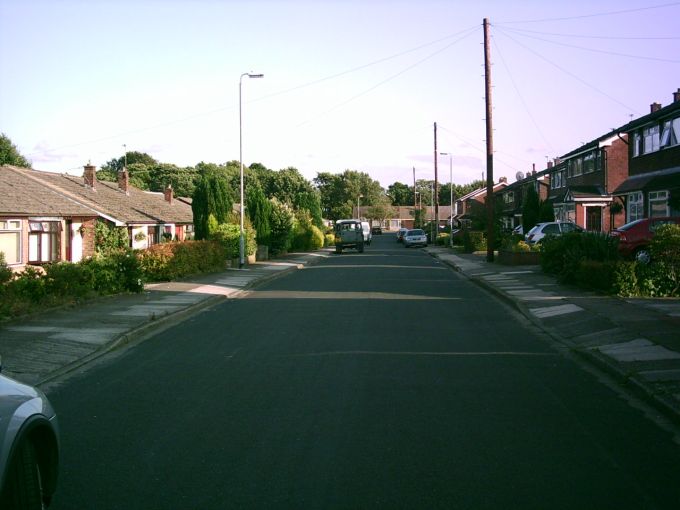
x=521, y=98
x=390, y=78
x=569, y=73
x=640, y=57
x=604, y=37
x=227, y=108
x=609, y=13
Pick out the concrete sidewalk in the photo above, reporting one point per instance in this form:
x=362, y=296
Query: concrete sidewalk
x=45, y=346
x=636, y=340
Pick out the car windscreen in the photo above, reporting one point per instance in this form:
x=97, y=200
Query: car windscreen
x=416, y=232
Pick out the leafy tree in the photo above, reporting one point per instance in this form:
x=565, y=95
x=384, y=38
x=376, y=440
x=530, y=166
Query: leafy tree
x=108, y=238
x=282, y=223
x=10, y=155
x=211, y=196
x=310, y=201
x=401, y=194
x=339, y=192
x=380, y=211
x=259, y=210
x=530, y=209
x=546, y=211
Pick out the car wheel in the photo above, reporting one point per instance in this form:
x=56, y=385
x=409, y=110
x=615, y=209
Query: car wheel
x=642, y=255
x=23, y=490
x=360, y=248
x=338, y=248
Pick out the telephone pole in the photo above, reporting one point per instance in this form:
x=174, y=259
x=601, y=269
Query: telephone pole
x=489, y=146
x=435, y=191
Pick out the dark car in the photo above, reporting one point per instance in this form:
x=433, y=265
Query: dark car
x=634, y=237
x=29, y=446
x=376, y=230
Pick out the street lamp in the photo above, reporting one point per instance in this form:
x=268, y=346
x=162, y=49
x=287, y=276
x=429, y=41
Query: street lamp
x=359, y=206
x=241, y=241
x=451, y=200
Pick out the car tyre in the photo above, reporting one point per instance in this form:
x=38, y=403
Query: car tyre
x=23, y=490
x=643, y=256
x=338, y=249
x=360, y=247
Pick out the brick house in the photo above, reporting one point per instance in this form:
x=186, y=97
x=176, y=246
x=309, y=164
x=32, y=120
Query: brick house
x=39, y=224
x=68, y=207
x=511, y=198
x=404, y=216
x=465, y=205
x=582, y=182
x=652, y=188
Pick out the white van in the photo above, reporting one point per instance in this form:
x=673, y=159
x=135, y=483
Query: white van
x=368, y=236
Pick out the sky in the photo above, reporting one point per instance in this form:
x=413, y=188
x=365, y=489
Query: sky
x=348, y=84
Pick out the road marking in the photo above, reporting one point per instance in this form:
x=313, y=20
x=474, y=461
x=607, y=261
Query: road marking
x=552, y=311
x=421, y=353
x=282, y=294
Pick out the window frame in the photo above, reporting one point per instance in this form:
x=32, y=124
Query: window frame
x=6, y=228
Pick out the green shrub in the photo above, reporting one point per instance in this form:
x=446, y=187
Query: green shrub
x=329, y=239
x=665, y=250
x=117, y=272
x=163, y=262
x=29, y=285
x=68, y=280
x=282, y=223
x=6, y=273
x=563, y=255
x=625, y=283
x=229, y=235
x=596, y=275
x=443, y=240
x=474, y=241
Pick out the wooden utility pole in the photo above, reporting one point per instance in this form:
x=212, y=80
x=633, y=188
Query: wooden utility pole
x=489, y=147
x=415, y=201
x=436, y=188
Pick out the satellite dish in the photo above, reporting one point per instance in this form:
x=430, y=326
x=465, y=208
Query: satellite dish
x=519, y=175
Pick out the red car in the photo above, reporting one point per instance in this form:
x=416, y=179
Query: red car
x=634, y=237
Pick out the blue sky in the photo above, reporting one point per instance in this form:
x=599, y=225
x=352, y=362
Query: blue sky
x=348, y=84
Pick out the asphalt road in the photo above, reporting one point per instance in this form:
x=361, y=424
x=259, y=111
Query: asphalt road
x=374, y=380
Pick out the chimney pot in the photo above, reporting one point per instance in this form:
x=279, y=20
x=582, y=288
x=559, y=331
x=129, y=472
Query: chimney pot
x=550, y=164
x=168, y=194
x=676, y=96
x=124, y=181
x=90, y=175
x=654, y=107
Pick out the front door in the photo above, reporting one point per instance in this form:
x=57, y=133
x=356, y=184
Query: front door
x=594, y=219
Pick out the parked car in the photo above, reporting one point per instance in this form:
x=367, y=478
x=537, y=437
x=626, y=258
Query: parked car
x=400, y=234
x=376, y=231
x=518, y=230
x=634, y=237
x=368, y=235
x=29, y=446
x=554, y=228
x=349, y=234
x=415, y=237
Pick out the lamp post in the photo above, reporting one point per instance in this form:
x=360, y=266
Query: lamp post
x=241, y=241
x=451, y=199
x=359, y=206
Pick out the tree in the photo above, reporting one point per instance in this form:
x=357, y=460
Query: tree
x=310, y=201
x=259, y=210
x=380, y=211
x=339, y=192
x=10, y=155
x=546, y=211
x=211, y=196
x=530, y=209
x=401, y=194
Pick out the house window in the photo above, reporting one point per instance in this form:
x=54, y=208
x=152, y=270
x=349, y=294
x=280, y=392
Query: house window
x=43, y=241
x=670, y=133
x=637, y=140
x=10, y=240
x=658, y=204
x=650, y=139
x=575, y=167
x=509, y=197
x=635, y=206
x=589, y=163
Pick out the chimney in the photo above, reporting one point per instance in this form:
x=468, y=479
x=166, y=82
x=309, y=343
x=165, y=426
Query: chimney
x=533, y=168
x=90, y=176
x=124, y=181
x=168, y=194
x=676, y=96
x=503, y=179
x=654, y=107
x=550, y=164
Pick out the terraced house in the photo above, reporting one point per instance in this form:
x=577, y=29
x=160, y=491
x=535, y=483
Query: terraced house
x=652, y=188
x=48, y=217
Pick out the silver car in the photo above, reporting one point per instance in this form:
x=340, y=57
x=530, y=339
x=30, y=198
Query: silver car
x=29, y=447
x=415, y=237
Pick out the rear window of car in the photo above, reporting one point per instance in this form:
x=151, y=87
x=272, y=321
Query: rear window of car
x=416, y=232
x=630, y=225
x=551, y=228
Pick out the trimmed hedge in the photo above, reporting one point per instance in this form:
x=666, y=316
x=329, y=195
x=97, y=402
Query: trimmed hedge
x=169, y=261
